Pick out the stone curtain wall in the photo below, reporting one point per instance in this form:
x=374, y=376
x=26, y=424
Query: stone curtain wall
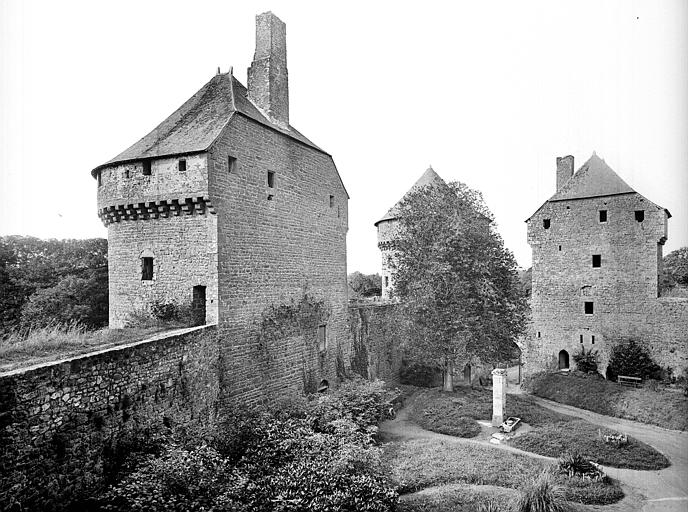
x=59, y=420
x=275, y=245
x=623, y=289
x=377, y=332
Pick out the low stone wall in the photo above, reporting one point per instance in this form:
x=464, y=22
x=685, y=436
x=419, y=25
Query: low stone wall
x=59, y=421
x=377, y=331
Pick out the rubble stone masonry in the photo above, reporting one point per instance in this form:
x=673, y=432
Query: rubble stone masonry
x=60, y=421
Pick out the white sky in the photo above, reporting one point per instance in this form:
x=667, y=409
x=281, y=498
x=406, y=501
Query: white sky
x=489, y=93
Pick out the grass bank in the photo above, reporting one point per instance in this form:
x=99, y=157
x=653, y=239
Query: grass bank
x=420, y=464
x=552, y=435
x=58, y=341
x=665, y=408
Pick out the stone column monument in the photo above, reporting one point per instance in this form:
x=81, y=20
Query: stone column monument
x=498, y=396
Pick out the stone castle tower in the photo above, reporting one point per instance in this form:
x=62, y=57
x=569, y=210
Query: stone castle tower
x=597, y=253
x=387, y=229
x=226, y=206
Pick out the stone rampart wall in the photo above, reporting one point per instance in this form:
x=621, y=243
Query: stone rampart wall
x=59, y=421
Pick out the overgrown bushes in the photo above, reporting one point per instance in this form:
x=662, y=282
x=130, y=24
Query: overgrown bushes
x=631, y=359
x=586, y=362
x=316, y=454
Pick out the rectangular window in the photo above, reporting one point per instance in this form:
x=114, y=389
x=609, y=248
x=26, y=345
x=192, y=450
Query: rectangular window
x=546, y=223
x=640, y=215
x=322, y=338
x=271, y=179
x=603, y=215
x=596, y=260
x=386, y=281
x=560, y=247
x=593, y=339
x=581, y=338
x=589, y=308
x=147, y=167
x=100, y=178
x=231, y=164
x=331, y=201
x=538, y=334
x=182, y=165
x=146, y=269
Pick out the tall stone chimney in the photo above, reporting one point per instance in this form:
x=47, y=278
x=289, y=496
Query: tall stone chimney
x=564, y=170
x=268, y=82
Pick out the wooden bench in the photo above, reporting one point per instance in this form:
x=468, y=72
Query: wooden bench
x=625, y=380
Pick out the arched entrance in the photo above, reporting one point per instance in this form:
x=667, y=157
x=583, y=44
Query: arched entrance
x=563, y=360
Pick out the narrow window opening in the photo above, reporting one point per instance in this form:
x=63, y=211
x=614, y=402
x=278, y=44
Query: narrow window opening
x=127, y=173
x=603, y=215
x=538, y=334
x=146, y=167
x=270, y=197
x=271, y=179
x=231, y=164
x=581, y=338
x=386, y=281
x=593, y=339
x=100, y=178
x=560, y=247
x=546, y=223
x=322, y=338
x=331, y=201
x=182, y=165
x=596, y=260
x=589, y=309
x=146, y=269
x=640, y=215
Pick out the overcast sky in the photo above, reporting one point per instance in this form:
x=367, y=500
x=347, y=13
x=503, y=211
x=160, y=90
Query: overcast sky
x=488, y=93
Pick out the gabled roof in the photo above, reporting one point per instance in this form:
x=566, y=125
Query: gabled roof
x=594, y=179
x=429, y=177
x=194, y=126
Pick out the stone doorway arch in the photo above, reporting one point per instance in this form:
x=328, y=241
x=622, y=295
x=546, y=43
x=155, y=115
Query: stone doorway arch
x=563, y=360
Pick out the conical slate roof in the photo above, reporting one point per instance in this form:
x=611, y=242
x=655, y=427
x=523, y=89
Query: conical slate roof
x=594, y=179
x=429, y=177
x=195, y=125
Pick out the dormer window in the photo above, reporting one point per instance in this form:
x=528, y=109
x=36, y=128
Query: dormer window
x=181, y=165
x=639, y=215
x=546, y=223
x=147, y=167
x=603, y=215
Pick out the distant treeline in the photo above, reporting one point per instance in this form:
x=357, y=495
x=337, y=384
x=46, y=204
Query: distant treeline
x=52, y=281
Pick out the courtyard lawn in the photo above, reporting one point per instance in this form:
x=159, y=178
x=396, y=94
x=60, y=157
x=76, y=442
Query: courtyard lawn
x=666, y=408
x=457, y=498
x=423, y=463
x=553, y=433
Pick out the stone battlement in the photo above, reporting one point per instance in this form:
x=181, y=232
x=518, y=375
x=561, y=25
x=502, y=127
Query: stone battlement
x=155, y=209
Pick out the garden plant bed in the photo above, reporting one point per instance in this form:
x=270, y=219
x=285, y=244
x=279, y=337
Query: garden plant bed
x=551, y=433
x=666, y=408
x=421, y=464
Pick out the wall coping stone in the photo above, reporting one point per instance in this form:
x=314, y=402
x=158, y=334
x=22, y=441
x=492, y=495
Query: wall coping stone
x=113, y=348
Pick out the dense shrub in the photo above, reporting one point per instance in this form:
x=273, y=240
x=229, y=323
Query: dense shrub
x=302, y=455
x=574, y=464
x=419, y=375
x=586, y=362
x=631, y=359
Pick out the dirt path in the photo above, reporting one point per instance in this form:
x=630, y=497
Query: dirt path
x=646, y=491
x=664, y=490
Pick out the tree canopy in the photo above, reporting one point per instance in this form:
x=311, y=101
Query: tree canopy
x=676, y=268
x=457, y=282
x=44, y=281
x=365, y=285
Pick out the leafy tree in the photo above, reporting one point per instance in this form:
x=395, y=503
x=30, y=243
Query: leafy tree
x=365, y=285
x=586, y=362
x=30, y=266
x=676, y=268
x=459, y=285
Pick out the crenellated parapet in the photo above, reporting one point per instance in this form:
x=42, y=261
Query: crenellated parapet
x=164, y=208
